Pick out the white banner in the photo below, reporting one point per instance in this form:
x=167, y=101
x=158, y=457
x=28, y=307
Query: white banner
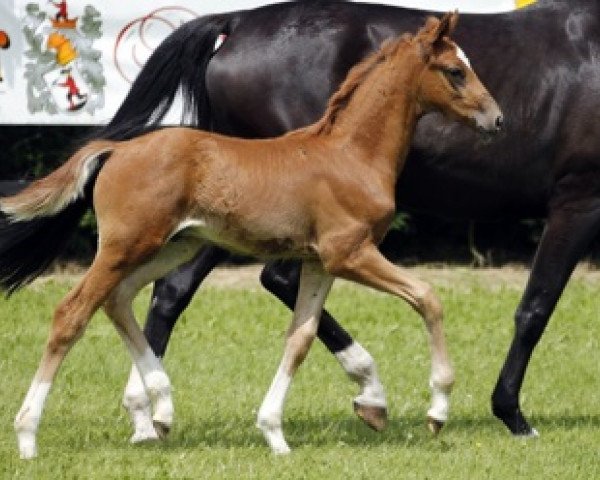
x=72, y=61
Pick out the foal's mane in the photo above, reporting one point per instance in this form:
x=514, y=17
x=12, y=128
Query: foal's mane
x=356, y=76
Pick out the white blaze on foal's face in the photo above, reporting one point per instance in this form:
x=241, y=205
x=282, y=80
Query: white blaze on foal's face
x=462, y=56
x=487, y=116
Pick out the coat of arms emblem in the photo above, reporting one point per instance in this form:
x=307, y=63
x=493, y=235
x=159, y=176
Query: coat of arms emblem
x=63, y=72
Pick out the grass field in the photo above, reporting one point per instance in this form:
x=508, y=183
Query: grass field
x=226, y=349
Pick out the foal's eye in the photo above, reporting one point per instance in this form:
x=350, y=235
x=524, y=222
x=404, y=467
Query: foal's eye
x=455, y=75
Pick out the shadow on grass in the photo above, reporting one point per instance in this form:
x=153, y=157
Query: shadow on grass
x=304, y=429
x=342, y=429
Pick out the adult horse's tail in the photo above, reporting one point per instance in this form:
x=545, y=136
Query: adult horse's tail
x=177, y=65
x=36, y=222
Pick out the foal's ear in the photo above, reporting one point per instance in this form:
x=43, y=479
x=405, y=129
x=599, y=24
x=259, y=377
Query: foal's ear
x=435, y=30
x=445, y=27
x=452, y=22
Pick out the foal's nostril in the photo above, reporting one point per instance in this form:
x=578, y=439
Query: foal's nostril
x=499, y=122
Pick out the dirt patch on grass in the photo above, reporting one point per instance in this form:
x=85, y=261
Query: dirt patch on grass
x=441, y=276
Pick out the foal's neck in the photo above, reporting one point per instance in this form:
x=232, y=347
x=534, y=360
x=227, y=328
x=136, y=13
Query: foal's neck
x=380, y=116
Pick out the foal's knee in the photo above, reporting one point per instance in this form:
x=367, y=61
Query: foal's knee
x=429, y=305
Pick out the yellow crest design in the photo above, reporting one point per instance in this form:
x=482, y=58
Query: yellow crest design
x=66, y=53
x=524, y=3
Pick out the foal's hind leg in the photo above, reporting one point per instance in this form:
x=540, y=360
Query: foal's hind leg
x=314, y=287
x=368, y=267
x=148, y=370
x=281, y=278
x=171, y=295
x=70, y=319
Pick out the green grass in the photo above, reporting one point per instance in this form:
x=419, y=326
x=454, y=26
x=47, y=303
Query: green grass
x=226, y=349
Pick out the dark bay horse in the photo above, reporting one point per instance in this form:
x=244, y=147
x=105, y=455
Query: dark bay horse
x=323, y=194
x=275, y=72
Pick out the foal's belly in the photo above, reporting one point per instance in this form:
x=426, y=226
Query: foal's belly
x=260, y=243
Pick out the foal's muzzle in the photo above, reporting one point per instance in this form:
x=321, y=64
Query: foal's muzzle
x=489, y=120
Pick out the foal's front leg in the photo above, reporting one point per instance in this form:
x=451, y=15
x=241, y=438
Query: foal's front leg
x=314, y=287
x=281, y=278
x=368, y=267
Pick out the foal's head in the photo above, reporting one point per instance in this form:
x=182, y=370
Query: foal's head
x=448, y=82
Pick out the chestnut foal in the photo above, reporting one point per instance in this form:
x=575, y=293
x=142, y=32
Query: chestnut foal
x=324, y=194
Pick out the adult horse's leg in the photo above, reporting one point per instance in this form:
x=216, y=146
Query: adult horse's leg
x=171, y=295
x=313, y=290
x=369, y=267
x=567, y=235
x=281, y=278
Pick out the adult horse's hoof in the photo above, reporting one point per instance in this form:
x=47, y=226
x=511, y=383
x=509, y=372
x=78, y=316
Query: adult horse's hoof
x=514, y=420
x=434, y=425
x=374, y=417
x=162, y=429
x=533, y=433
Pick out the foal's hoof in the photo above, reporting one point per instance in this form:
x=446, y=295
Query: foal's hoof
x=162, y=429
x=27, y=452
x=374, y=417
x=434, y=425
x=26, y=441
x=143, y=437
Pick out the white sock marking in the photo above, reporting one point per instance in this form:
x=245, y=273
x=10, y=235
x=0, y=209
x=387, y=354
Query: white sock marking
x=137, y=403
x=28, y=418
x=158, y=386
x=271, y=411
x=360, y=366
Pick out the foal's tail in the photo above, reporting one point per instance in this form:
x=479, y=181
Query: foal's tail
x=36, y=223
x=179, y=63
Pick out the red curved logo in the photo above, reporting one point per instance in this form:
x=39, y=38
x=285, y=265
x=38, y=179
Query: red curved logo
x=137, y=40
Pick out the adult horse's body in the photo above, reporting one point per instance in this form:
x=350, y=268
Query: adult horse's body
x=323, y=194
x=280, y=63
